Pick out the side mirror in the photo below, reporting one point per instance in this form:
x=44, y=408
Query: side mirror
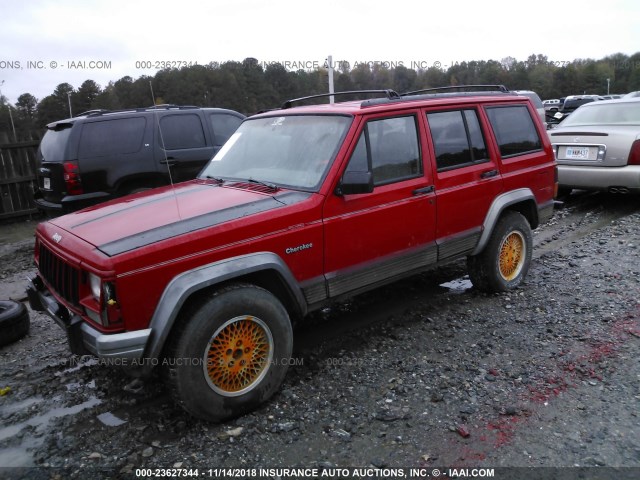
x=355, y=182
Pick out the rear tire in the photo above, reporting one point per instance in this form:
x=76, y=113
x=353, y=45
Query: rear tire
x=505, y=260
x=231, y=353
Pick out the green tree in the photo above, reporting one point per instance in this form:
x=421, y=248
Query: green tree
x=634, y=75
x=107, y=99
x=86, y=95
x=64, y=95
x=281, y=84
x=404, y=79
x=51, y=109
x=27, y=105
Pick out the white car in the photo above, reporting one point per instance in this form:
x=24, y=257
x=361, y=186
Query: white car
x=552, y=105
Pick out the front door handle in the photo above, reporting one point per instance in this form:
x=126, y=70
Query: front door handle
x=489, y=174
x=423, y=190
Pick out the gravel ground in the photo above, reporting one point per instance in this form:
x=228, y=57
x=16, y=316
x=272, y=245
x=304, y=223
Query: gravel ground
x=415, y=374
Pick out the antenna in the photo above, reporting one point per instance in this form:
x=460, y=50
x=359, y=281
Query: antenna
x=164, y=150
x=153, y=98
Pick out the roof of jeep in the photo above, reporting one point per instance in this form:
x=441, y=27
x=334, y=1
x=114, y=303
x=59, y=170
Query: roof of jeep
x=361, y=107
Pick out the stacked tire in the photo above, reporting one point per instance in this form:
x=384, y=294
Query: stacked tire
x=14, y=321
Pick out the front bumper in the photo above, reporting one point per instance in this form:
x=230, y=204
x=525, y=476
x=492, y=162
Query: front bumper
x=600, y=178
x=120, y=348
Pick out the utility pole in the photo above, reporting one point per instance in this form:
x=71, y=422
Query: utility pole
x=13, y=127
x=69, y=100
x=330, y=59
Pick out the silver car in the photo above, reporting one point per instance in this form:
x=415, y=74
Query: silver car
x=598, y=147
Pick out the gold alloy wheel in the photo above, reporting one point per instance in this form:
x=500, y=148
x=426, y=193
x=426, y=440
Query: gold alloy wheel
x=238, y=355
x=512, y=256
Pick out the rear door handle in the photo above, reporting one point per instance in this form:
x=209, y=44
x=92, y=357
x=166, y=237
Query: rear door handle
x=423, y=190
x=489, y=174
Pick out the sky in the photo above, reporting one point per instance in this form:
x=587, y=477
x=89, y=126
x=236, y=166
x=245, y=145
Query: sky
x=47, y=42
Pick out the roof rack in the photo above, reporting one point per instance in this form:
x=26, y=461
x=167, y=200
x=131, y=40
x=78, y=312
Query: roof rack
x=167, y=106
x=500, y=88
x=96, y=111
x=388, y=93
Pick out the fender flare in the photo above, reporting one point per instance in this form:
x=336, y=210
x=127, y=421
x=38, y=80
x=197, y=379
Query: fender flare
x=187, y=283
x=499, y=204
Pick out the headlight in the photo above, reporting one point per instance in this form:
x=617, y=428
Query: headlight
x=95, y=283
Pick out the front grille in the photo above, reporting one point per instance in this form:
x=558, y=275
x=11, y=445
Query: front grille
x=62, y=277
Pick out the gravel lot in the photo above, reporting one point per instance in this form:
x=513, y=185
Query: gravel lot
x=416, y=374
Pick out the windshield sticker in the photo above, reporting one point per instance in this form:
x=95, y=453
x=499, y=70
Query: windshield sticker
x=278, y=121
x=226, y=147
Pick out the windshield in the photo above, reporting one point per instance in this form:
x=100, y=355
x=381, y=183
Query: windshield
x=625, y=113
x=293, y=151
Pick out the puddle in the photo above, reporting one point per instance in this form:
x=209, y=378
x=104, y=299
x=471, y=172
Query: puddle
x=16, y=407
x=83, y=362
x=41, y=421
x=75, y=386
x=17, y=456
x=110, y=420
x=459, y=285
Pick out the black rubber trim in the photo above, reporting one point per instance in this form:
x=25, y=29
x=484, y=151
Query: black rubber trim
x=197, y=223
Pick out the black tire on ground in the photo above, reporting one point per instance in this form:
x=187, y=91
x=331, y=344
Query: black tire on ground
x=230, y=353
x=505, y=260
x=564, y=192
x=14, y=321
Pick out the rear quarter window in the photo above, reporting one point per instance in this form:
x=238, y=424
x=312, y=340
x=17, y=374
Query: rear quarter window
x=514, y=129
x=112, y=137
x=54, y=143
x=223, y=126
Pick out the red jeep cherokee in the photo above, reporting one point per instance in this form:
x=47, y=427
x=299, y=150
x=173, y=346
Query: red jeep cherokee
x=302, y=206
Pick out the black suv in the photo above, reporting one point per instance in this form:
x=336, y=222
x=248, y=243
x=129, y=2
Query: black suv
x=103, y=154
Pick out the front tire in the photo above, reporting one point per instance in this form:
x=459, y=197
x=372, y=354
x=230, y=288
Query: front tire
x=505, y=260
x=231, y=353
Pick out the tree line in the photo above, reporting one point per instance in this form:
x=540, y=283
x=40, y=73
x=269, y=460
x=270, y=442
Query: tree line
x=250, y=86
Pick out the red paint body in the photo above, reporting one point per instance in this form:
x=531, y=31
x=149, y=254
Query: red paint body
x=345, y=232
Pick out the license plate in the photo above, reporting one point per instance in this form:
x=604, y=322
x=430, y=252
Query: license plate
x=47, y=183
x=577, y=153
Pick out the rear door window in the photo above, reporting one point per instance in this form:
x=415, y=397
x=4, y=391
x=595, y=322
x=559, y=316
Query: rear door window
x=112, y=137
x=182, y=131
x=514, y=130
x=457, y=139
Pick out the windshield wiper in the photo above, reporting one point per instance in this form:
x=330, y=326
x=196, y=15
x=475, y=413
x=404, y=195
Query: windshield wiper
x=272, y=186
x=217, y=179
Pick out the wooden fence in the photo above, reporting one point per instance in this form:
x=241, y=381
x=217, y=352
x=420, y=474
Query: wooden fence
x=17, y=178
